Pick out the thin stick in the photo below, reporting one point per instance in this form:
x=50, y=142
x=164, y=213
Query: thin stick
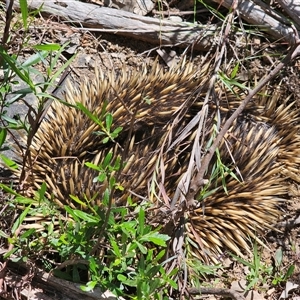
x=216, y=291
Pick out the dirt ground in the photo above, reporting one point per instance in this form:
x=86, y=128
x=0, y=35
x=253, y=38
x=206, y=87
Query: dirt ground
x=112, y=52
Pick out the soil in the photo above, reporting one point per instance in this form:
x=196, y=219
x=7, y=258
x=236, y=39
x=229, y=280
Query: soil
x=112, y=52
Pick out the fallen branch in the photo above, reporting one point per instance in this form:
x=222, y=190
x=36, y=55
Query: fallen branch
x=265, y=18
x=156, y=31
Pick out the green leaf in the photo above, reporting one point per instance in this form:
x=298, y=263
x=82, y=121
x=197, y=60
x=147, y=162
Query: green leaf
x=142, y=248
x=147, y=100
x=105, y=140
x=35, y=59
x=289, y=272
x=150, y=255
x=22, y=93
x=160, y=255
x=23, y=200
x=47, y=47
x=108, y=121
x=88, y=113
x=156, y=238
x=3, y=234
x=42, y=191
x=3, y=133
x=208, y=193
x=112, y=181
x=130, y=282
x=24, y=12
x=172, y=283
x=141, y=221
x=121, y=277
x=13, y=64
x=116, y=263
x=20, y=220
x=85, y=216
x=27, y=233
x=92, y=166
x=153, y=271
x=242, y=261
x=105, y=197
x=99, y=133
x=89, y=286
x=278, y=257
x=50, y=229
x=8, y=254
x=107, y=159
x=117, y=164
x=117, y=131
x=119, y=187
x=63, y=67
x=141, y=266
x=77, y=200
x=70, y=211
x=100, y=178
x=10, y=120
x=115, y=248
x=234, y=71
x=252, y=283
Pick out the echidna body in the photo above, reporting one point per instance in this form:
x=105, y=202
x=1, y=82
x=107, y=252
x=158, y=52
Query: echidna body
x=264, y=143
x=67, y=138
x=153, y=108
x=251, y=205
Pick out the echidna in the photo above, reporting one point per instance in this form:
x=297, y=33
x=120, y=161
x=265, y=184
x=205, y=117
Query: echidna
x=156, y=105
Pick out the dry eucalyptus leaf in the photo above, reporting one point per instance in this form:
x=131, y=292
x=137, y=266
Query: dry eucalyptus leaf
x=288, y=287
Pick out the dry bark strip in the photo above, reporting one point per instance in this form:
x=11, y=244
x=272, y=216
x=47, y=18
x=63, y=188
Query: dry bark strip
x=158, y=31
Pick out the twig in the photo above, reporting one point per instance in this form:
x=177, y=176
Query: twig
x=9, y=6
x=216, y=291
x=178, y=13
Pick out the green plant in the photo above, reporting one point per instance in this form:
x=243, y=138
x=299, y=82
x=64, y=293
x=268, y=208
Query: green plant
x=28, y=234
x=260, y=273
x=135, y=254
x=131, y=258
x=279, y=276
